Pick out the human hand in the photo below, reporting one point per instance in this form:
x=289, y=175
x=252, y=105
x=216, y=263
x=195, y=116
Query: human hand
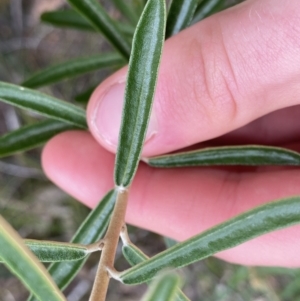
x=215, y=80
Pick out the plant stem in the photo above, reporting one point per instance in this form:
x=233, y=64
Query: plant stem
x=111, y=240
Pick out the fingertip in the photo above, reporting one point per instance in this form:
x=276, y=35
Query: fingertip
x=104, y=113
x=73, y=159
x=214, y=77
x=104, y=110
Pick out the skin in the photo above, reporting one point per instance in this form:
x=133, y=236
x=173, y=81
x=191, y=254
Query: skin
x=231, y=79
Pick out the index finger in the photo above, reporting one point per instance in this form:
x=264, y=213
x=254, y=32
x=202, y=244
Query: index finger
x=215, y=76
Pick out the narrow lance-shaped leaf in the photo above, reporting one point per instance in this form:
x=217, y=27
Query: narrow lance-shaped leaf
x=73, y=68
x=72, y=19
x=67, y=18
x=180, y=15
x=52, y=251
x=135, y=256
x=31, y=136
x=269, y=217
x=209, y=7
x=251, y=155
x=141, y=82
x=163, y=288
x=127, y=10
x=98, y=17
x=91, y=231
x=25, y=265
x=41, y=103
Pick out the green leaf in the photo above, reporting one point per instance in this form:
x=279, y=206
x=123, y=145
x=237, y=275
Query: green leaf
x=72, y=19
x=73, y=68
x=67, y=18
x=41, y=103
x=252, y=155
x=90, y=231
x=141, y=82
x=135, y=256
x=269, y=217
x=209, y=7
x=163, y=288
x=52, y=251
x=25, y=265
x=127, y=11
x=97, y=16
x=180, y=15
x=31, y=136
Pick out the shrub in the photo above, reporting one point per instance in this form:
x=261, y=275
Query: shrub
x=105, y=224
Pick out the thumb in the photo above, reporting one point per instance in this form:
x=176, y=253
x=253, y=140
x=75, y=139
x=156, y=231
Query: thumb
x=215, y=76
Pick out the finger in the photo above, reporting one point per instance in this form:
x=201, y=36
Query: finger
x=215, y=76
x=277, y=128
x=182, y=202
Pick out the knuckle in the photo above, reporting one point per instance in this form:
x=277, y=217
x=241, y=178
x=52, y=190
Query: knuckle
x=215, y=86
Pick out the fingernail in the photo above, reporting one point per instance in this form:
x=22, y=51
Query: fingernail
x=108, y=113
